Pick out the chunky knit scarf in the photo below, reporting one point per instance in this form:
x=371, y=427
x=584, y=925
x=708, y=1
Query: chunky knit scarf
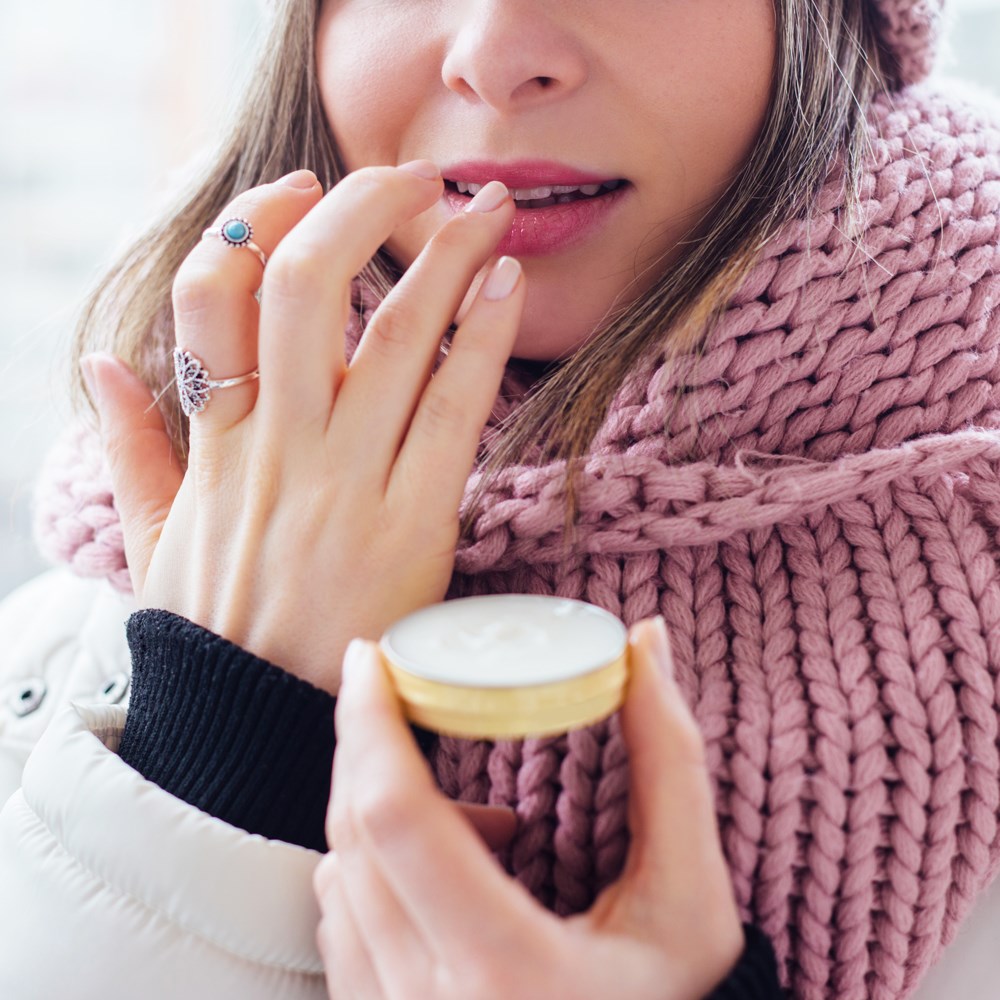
x=820, y=526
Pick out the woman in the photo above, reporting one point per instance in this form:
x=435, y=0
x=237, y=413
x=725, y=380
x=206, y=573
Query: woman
x=767, y=334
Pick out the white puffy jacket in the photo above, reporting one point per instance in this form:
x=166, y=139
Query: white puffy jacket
x=110, y=887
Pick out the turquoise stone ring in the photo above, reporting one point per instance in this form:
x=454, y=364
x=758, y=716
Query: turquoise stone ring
x=238, y=234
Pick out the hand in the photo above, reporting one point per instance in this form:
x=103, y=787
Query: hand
x=415, y=907
x=320, y=502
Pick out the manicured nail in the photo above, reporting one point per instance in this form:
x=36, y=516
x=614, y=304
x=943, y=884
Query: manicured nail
x=422, y=168
x=489, y=198
x=659, y=644
x=502, y=279
x=303, y=179
x=354, y=657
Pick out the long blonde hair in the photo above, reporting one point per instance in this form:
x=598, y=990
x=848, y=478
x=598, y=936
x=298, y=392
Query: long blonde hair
x=827, y=71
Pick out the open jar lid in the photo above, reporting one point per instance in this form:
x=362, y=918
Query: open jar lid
x=505, y=666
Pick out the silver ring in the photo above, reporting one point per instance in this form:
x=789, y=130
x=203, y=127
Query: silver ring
x=238, y=234
x=194, y=386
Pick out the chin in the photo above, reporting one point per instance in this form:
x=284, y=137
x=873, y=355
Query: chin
x=547, y=333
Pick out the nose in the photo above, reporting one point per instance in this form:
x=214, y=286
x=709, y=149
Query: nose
x=513, y=55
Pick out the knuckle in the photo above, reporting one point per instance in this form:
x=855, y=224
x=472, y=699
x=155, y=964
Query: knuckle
x=293, y=270
x=215, y=469
x=382, y=813
x=439, y=410
x=391, y=330
x=484, y=978
x=197, y=289
x=478, y=354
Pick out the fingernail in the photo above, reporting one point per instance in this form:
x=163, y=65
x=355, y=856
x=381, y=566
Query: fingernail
x=660, y=645
x=90, y=378
x=303, y=179
x=422, y=168
x=502, y=280
x=489, y=199
x=354, y=657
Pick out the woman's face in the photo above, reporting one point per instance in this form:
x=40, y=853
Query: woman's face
x=667, y=96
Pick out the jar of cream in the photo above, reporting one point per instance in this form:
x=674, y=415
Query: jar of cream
x=506, y=666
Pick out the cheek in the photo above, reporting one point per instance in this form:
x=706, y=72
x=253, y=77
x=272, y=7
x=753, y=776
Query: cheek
x=714, y=94
x=736, y=99
x=362, y=70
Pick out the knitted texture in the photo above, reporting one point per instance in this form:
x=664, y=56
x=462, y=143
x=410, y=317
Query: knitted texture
x=910, y=31
x=74, y=517
x=814, y=506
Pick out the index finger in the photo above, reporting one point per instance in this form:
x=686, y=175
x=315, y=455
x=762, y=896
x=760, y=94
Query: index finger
x=427, y=851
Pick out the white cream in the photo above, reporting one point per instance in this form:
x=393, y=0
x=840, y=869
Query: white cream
x=505, y=640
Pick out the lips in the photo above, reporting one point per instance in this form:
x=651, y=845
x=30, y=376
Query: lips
x=542, y=225
x=524, y=174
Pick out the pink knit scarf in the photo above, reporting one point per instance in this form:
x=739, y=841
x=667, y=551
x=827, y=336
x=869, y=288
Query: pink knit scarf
x=820, y=526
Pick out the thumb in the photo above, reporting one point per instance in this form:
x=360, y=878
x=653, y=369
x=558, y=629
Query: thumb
x=145, y=471
x=671, y=810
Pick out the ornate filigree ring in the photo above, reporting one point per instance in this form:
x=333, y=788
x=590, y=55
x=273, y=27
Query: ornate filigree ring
x=195, y=386
x=238, y=234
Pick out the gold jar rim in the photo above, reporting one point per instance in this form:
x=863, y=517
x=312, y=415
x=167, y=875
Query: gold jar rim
x=511, y=713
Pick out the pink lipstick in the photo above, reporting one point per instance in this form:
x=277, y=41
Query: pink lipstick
x=557, y=206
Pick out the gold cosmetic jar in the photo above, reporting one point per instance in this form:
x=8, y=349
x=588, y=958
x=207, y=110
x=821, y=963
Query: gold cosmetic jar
x=507, y=666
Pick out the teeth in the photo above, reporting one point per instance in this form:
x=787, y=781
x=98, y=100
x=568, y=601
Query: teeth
x=530, y=194
x=540, y=193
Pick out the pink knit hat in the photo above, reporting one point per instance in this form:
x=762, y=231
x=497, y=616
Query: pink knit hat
x=910, y=30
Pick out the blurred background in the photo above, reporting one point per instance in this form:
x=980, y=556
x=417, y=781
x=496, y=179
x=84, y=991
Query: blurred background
x=104, y=106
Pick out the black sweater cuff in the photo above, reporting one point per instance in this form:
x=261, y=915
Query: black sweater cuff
x=755, y=975
x=228, y=732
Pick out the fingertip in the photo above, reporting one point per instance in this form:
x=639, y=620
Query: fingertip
x=93, y=366
x=300, y=180
x=111, y=383
x=364, y=674
x=102, y=365
x=652, y=693
x=91, y=381
x=424, y=169
x=650, y=640
x=356, y=658
x=658, y=722
x=502, y=279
